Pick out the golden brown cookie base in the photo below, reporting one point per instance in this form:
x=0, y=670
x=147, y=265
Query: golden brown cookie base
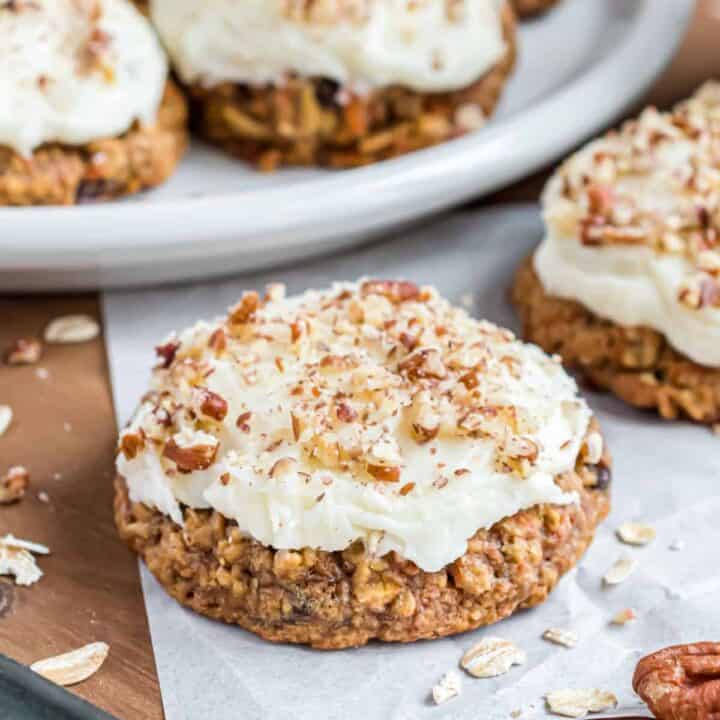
x=334, y=600
x=636, y=364
x=528, y=8
x=302, y=124
x=101, y=170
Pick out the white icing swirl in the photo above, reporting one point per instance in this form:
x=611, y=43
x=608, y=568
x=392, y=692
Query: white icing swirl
x=426, y=45
x=300, y=469
x=73, y=71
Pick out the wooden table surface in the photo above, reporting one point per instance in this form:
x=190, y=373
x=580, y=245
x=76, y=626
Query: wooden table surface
x=64, y=433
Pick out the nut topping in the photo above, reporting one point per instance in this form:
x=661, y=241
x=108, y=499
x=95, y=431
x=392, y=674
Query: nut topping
x=681, y=682
x=189, y=458
x=212, y=405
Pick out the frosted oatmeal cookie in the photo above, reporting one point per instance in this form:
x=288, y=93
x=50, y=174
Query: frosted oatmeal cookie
x=626, y=284
x=361, y=462
x=337, y=83
x=528, y=8
x=88, y=112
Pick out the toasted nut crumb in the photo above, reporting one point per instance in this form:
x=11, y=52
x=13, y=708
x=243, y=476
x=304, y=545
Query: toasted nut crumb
x=6, y=416
x=23, y=351
x=450, y=686
x=492, y=657
x=620, y=571
x=636, y=533
x=624, y=617
x=14, y=484
x=71, y=329
x=566, y=638
x=578, y=703
x=73, y=667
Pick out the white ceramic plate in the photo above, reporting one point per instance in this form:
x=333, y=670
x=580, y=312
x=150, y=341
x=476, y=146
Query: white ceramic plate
x=580, y=67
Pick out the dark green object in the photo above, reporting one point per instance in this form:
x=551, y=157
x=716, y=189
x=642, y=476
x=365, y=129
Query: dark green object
x=24, y=695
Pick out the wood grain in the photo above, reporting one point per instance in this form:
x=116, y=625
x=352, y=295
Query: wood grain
x=64, y=433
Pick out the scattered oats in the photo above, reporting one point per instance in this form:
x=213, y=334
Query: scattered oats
x=18, y=543
x=492, y=657
x=566, y=638
x=624, y=617
x=470, y=117
x=67, y=427
x=467, y=300
x=57, y=476
x=621, y=570
x=578, y=703
x=42, y=373
x=16, y=559
x=6, y=416
x=43, y=497
x=676, y=545
x=73, y=667
x=450, y=686
x=636, y=533
x=71, y=329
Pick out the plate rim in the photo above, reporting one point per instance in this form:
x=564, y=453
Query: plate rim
x=656, y=26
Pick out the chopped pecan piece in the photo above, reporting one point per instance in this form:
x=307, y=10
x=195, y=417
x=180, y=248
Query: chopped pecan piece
x=167, y=353
x=213, y=405
x=381, y=473
x=191, y=457
x=244, y=311
x=396, y=291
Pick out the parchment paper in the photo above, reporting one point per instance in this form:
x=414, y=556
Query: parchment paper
x=666, y=474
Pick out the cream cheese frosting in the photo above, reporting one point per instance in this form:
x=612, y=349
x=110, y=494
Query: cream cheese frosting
x=426, y=45
x=372, y=411
x=632, y=226
x=73, y=71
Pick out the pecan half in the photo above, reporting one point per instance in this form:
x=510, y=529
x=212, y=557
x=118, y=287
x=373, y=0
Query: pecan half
x=681, y=682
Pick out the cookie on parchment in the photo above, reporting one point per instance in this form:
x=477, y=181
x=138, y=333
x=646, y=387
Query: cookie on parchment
x=626, y=284
x=88, y=110
x=356, y=463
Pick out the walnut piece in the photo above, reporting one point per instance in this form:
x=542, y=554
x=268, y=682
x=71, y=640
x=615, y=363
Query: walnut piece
x=681, y=682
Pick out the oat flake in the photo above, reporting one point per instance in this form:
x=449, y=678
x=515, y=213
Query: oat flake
x=558, y=636
x=6, y=416
x=620, y=571
x=578, y=703
x=636, y=533
x=492, y=657
x=450, y=686
x=73, y=667
x=71, y=329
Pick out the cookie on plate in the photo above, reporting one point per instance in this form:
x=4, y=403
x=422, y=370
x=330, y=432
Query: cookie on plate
x=528, y=8
x=626, y=284
x=337, y=84
x=361, y=462
x=88, y=112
